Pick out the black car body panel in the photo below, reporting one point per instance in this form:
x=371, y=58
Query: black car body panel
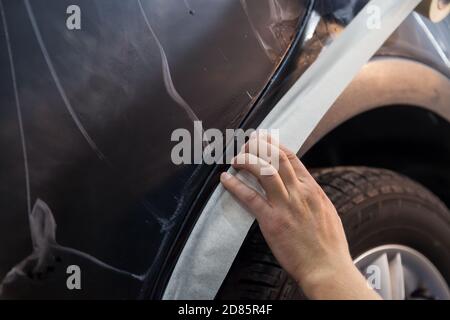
x=87, y=117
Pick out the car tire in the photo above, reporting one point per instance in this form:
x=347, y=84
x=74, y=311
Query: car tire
x=377, y=207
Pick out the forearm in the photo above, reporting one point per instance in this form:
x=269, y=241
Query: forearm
x=346, y=284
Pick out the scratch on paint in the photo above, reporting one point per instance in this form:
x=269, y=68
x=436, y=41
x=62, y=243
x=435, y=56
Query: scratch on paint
x=166, y=72
x=43, y=238
x=41, y=220
x=164, y=223
x=268, y=50
x=168, y=226
x=275, y=16
x=168, y=81
x=224, y=56
x=59, y=86
x=18, y=108
x=188, y=6
x=277, y=13
x=275, y=10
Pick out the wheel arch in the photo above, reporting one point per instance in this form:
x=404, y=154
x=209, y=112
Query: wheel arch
x=394, y=115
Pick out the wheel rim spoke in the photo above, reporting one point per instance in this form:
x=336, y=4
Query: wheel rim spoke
x=383, y=285
x=398, y=272
x=397, y=278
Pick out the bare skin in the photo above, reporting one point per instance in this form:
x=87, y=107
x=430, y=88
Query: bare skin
x=299, y=223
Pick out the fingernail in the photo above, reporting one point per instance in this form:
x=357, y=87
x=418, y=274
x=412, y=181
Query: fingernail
x=268, y=171
x=253, y=135
x=225, y=176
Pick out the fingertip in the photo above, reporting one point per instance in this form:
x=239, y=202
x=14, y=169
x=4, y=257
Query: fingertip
x=225, y=176
x=269, y=170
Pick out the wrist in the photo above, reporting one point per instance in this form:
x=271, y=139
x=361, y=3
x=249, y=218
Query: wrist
x=332, y=282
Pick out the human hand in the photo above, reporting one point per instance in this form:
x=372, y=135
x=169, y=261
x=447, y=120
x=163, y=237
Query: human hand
x=298, y=221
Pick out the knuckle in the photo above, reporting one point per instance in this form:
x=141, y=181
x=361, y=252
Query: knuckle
x=283, y=157
x=269, y=173
x=294, y=156
x=291, y=156
x=250, y=196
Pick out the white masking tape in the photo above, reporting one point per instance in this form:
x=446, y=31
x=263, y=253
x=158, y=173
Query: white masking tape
x=224, y=224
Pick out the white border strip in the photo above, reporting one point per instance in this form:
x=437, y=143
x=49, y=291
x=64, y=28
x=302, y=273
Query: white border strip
x=224, y=224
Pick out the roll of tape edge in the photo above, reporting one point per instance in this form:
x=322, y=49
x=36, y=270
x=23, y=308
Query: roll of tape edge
x=435, y=10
